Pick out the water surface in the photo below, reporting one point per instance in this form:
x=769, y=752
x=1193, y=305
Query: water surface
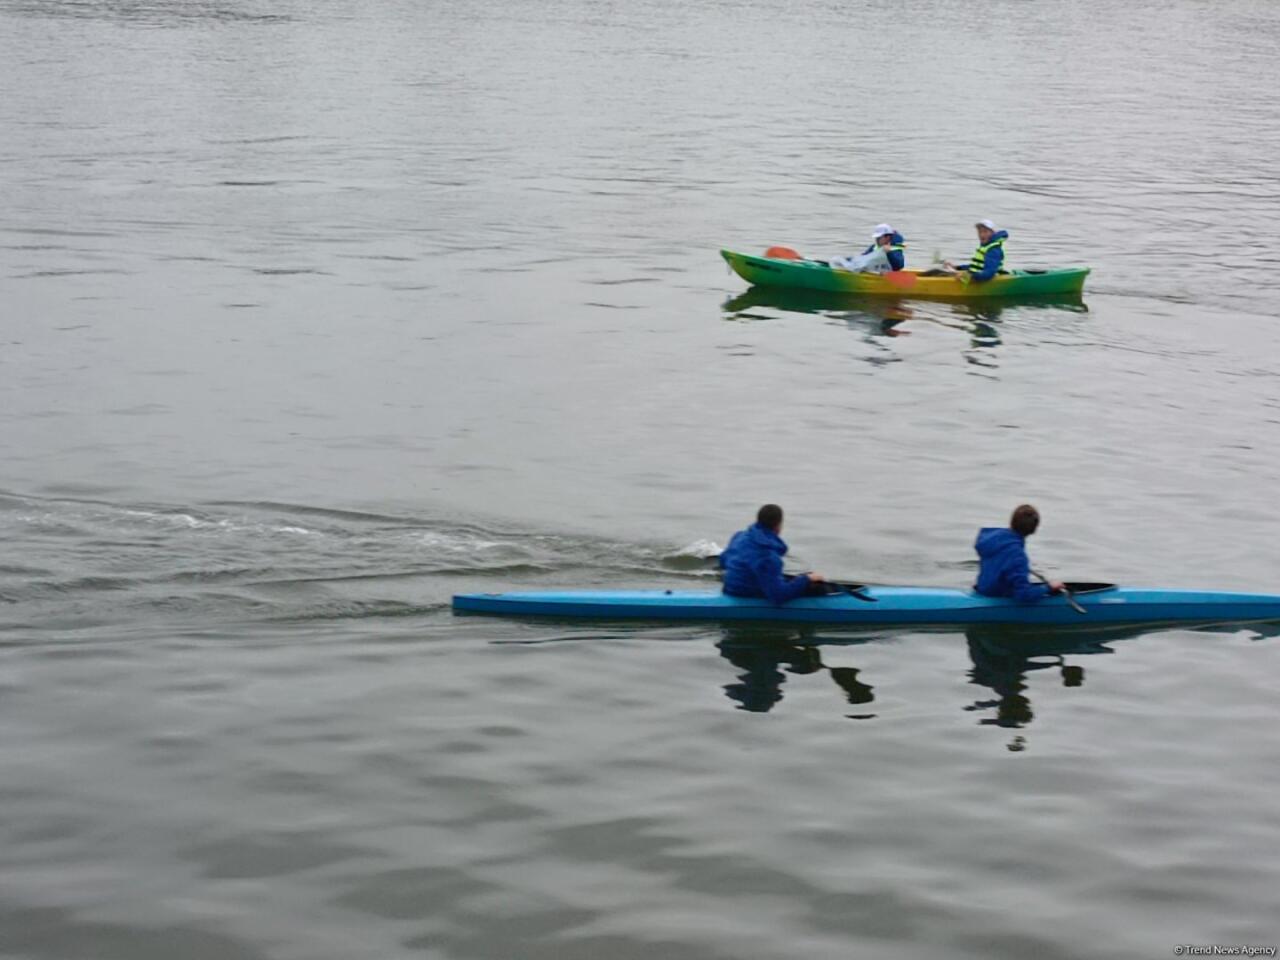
x=315, y=315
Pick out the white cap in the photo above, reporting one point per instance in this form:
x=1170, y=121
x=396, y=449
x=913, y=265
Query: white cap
x=988, y=224
x=883, y=230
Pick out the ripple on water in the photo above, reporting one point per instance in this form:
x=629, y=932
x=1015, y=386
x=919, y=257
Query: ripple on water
x=305, y=340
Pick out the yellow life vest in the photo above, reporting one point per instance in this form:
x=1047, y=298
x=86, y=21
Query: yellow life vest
x=979, y=259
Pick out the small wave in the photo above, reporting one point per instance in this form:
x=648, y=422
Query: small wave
x=453, y=542
x=35, y=274
x=194, y=522
x=701, y=549
x=265, y=561
x=361, y=610
x=282, y=506
x=147, y=14
x=13, y=569
x=289, y=271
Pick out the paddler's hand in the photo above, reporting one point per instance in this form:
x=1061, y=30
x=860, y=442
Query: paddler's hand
x=1056, y=586
x=816, y=578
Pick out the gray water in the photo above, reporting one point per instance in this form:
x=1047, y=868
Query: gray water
x=312, y=315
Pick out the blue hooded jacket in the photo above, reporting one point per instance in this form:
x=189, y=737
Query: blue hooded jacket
x=897, y=258
x=1004, y=569
x=752, y=565
x=994, y=259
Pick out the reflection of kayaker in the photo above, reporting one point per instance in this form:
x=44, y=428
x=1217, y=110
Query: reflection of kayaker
x=761, y=658
x=1003, y=667
x=843, y=306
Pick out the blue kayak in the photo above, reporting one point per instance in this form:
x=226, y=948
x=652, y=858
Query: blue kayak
x=1091, y=604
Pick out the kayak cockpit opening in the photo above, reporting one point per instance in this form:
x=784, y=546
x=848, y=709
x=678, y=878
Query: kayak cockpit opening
x=834, y=588
x=1089, y=587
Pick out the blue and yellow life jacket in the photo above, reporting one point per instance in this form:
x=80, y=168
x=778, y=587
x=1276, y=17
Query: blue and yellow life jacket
x=979, y=260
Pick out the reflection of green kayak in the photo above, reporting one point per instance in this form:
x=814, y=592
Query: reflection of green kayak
x=813, y=275
x=887, y=308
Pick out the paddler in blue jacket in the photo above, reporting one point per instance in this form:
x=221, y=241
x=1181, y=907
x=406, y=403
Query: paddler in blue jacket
x=888, y=251
x=987, y=259
x=752, y=562
x=895, y=247
x=1004, y=569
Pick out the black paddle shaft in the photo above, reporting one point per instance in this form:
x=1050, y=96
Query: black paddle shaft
x=1066, y=592
x=831, y=588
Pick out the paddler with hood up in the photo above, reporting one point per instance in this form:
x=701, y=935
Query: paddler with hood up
x=1004, y=569
x=987, y=259
x=752, y=562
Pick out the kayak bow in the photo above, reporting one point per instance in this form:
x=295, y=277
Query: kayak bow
x=815, y=275
x=1101, y=603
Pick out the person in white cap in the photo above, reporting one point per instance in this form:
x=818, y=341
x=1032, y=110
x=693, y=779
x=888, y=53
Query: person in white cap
x=887, y=252
x=987, y=259
x=890, y=241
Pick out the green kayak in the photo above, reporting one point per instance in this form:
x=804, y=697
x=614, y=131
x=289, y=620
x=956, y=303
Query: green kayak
x=816, y=275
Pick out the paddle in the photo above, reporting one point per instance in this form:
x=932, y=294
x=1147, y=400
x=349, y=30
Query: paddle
x=1066, y=592
x=835, y=588
x=854, y=590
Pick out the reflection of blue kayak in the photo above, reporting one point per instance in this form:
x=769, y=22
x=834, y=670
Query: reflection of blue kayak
x=1101, y=603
